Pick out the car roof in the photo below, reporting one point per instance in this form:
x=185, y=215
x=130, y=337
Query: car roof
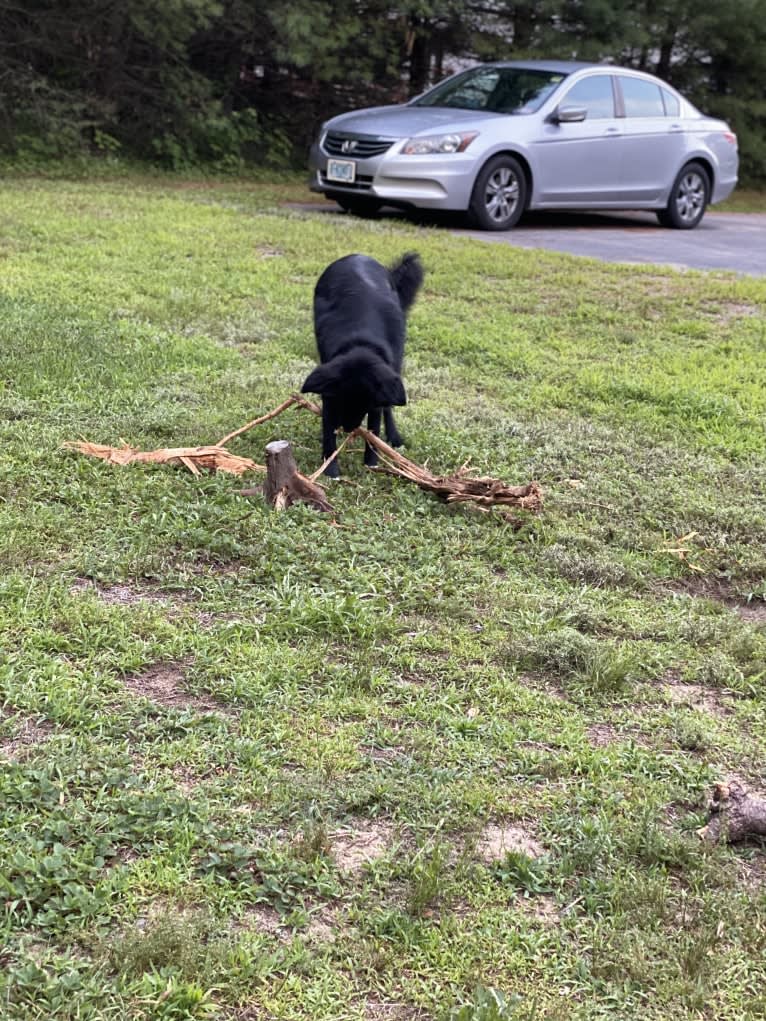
x=562, y=66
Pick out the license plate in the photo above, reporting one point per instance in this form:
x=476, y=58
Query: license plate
x=341, y=170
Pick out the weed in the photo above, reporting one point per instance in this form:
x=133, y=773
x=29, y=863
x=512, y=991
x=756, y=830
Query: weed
x=428, y=878
x=313, y=840
x=519, y=870
x=489, y=1004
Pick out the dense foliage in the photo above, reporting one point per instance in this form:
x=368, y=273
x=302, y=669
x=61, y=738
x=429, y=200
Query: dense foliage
x=225, y=81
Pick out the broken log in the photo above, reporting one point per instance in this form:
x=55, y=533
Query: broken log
x=285, y=485
x=735, y=814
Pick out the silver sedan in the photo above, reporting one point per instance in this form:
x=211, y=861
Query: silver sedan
x=502, y=138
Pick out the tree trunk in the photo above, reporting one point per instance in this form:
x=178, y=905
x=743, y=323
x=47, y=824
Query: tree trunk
x=735, y=814
x=285, y=485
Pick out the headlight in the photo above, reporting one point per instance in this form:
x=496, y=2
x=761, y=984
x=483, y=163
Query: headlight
x=456, y=142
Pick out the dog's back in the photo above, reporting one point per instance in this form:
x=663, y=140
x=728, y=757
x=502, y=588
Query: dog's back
x=357, y=300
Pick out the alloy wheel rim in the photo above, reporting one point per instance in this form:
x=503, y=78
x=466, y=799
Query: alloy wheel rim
x=502, y=194
x=690, y=200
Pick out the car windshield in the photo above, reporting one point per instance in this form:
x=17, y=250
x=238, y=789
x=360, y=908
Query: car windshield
x=495, y=89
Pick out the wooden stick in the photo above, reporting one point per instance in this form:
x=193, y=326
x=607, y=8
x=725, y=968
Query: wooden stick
x=332, y=457
x=257, y=421
x=301, y=402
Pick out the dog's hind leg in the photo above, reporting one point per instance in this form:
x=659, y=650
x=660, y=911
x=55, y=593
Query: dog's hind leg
x=393, y=435
x=373, y=424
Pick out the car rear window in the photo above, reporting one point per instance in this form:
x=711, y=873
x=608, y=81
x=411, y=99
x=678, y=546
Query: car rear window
x=642, y=99
x=495, y=89
x=672, y=104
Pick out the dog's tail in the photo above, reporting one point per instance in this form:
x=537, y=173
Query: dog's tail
x=407, y=276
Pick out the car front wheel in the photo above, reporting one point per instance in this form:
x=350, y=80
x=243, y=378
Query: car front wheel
x=499, y=194
x=688, y=199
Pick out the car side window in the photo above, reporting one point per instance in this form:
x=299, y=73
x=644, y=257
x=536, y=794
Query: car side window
x=642, y=99
x=672, y=104
x=594, y=94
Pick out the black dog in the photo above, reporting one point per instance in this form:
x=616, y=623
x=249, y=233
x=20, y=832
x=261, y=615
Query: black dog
x=360, y=310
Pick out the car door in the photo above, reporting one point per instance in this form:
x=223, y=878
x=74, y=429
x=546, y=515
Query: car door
x=578, y=164
x=654, y=140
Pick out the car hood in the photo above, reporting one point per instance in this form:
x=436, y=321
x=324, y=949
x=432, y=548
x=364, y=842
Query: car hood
x=404, y=121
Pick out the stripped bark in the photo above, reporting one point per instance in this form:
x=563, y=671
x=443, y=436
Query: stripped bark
x=193, y=458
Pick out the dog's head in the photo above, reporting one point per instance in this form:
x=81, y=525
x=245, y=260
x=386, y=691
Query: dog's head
x=357, y=383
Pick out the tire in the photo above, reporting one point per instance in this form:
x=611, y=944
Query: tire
x=688, y=200
x=499, y=194
x=358, y=206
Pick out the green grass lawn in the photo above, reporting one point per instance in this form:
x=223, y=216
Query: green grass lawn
x=261, y=765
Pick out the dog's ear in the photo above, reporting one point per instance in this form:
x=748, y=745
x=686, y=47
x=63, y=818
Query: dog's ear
x=321, y=381
x=389, y=390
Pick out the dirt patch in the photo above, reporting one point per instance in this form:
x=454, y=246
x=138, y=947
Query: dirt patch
x=26, y=736
x=117, y=595
x=542, y=687
x=263, y=918
x=751, y=872
x=187, y=779
x=601, y=735
x=542, y=909
x=352, y=849
x=379, y=1010
x=729, y=311
x=268, y=252
x=163, y=683
x=497, y=839
x=751, y=610
x=325, y=925
x=753, y=613
x=413, y=680
x=696, y=696
x=385, y=756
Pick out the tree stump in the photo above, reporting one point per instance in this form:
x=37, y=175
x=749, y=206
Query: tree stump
x=285, y=485
x=736, y=814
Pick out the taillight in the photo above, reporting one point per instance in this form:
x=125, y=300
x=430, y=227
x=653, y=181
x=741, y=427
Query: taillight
x=730, y=137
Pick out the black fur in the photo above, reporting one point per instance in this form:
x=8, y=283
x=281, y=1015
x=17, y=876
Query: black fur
x=360, y=310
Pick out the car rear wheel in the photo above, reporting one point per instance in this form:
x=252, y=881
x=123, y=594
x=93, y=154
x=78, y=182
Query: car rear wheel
x=358, y=206
x=688, y=198
x=499, y=194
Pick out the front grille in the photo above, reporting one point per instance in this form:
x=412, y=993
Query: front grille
x=363, y=182
x=358, y=147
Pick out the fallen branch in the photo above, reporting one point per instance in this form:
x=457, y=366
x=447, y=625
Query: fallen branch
x=460, y=487
x=194, y=458
x=735, y=814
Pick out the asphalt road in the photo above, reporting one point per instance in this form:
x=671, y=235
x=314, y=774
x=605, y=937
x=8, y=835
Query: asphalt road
x=723, y=241
x=734, y=242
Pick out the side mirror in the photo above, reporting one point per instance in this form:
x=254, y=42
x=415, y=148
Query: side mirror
x=569, y=114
